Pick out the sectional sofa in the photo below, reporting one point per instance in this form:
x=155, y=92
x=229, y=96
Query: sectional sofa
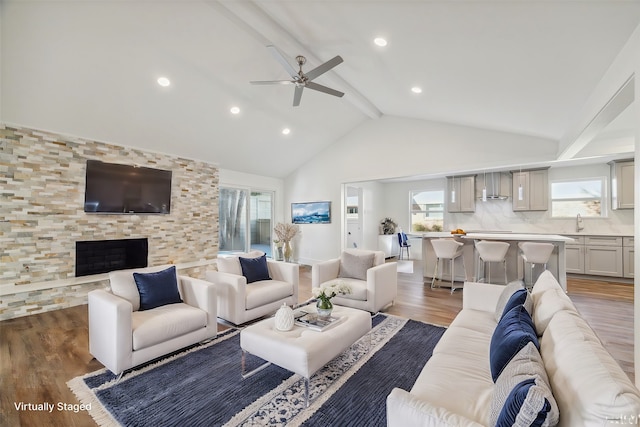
x=576, y=382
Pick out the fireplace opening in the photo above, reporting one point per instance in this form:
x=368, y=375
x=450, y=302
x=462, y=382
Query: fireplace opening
x=103, y=256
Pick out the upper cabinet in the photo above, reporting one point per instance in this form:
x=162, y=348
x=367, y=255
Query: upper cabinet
x=530, y=190
x=461, y=191
x=622, y=185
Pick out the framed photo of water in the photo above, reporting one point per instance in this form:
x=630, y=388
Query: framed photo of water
x=311, y=213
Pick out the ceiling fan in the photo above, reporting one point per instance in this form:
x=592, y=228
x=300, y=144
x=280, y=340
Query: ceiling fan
x=301, y=79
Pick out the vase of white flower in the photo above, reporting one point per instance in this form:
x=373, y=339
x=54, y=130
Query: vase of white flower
x=324, y=306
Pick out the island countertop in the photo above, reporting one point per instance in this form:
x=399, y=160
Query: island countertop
x=518, y=237
x=557, y=263
x=534, y=237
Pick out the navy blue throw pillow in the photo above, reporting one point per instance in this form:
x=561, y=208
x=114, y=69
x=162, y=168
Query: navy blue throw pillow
x=512, y=333
x=255, y=269
x=514, y=404
x=157, y=289
x=517, y=298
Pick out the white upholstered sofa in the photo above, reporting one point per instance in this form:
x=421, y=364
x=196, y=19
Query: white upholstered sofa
x=455, y=388
x=373, y=282
x=241, y=300
x=122, y=335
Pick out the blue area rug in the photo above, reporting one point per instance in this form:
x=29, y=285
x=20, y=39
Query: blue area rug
x=203, y=386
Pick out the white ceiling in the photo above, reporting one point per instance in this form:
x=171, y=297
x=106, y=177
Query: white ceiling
x=89, y=68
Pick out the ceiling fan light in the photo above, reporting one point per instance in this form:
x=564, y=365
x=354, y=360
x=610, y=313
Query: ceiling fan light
x=416, y=89
x=286, y=131
x=163, y=81
x=380, y=41
x=235, y=110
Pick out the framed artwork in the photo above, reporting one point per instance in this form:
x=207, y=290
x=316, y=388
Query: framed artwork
x=311, y=213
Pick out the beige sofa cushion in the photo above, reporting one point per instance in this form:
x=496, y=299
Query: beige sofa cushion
x=439, y=382
x=547, y=304
x=355, y=266
x=545, y=281
x=264, y=292
x=358, y=288
x=590, y=387
x=161, y=324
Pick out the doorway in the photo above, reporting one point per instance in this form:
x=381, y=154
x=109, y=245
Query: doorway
x=353, y=217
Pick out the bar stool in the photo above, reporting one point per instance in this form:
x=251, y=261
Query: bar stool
x=447, y=249
x=403, y=242
x=534, y=253
x=490, y=251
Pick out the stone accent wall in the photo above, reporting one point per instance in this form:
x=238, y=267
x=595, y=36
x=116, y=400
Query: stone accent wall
x=42, y=183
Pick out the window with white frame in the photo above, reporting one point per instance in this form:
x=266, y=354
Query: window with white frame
x=586, y=197
x=427, y=210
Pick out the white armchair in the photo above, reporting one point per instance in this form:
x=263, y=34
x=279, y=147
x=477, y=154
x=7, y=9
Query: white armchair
x=122, y=336
x=240, y=302
x=374, y=283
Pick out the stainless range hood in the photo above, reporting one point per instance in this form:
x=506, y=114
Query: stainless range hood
x=498, y=185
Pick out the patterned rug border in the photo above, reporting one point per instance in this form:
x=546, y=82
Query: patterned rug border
x=104, y=418
x=302, y=416
x=87, y=395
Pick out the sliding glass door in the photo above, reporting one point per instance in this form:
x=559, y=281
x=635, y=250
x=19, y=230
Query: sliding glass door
x=246, y=220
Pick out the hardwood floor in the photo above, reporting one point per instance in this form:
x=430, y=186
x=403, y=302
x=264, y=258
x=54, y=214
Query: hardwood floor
x=40, y=353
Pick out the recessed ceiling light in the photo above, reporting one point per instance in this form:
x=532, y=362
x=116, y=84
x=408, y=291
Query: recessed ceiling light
x=235, y=110
x=416, y=89
x=164, y=82
x=286, y=131
x=380, y=41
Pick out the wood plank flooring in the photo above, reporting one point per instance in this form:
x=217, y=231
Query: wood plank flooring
x=40, y=353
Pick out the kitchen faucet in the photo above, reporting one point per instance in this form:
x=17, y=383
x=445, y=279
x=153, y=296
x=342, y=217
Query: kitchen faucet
x=579, y=223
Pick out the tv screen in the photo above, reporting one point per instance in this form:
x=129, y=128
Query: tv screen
x=116, y=188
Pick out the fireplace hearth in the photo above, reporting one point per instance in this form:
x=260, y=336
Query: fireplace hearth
x=102, y=256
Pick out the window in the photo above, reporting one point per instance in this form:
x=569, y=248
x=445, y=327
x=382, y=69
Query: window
x=246, y=220
x=586, y=197
x=427, y=210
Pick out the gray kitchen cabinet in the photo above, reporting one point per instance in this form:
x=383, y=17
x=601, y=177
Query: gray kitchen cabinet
x=461, y=191
x=622, y=184
x=603, y=260
x=535, y=190
x=627, y=257
x=600, y=256
x=574, y=256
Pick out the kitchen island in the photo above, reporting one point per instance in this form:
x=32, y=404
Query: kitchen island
x=515, y=268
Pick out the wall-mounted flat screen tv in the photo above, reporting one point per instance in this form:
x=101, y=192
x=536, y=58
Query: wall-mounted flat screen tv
x=125, y=189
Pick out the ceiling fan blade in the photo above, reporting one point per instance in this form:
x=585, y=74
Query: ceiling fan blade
x=283, y=61
x=321, y=69
x=272, y=82
x=297, y=95
x=320, y=88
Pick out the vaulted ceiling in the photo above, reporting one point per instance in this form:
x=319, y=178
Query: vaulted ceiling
x=89, y=68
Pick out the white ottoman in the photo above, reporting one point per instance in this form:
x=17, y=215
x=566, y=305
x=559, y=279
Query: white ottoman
x=303, y=350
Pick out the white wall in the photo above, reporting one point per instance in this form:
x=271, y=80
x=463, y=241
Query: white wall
x=394, y=147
